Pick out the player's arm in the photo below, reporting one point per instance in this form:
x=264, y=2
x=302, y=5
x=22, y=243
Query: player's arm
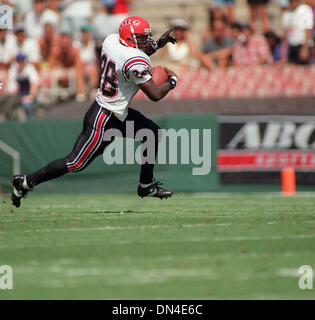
x=156, y=93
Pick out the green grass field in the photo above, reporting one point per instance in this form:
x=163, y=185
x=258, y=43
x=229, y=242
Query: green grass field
x=194, y=246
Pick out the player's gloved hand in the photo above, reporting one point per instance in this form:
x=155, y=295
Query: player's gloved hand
x=152, y=47
x=165, y=38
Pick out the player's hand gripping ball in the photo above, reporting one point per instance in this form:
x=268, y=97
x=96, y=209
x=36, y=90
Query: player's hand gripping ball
x=159, y=75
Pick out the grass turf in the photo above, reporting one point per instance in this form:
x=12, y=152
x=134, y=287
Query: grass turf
x=193, y=246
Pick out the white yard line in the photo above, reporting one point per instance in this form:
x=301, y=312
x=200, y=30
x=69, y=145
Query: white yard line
x=108, y=228
x=105, y=228
x=192, y=240
x=118, y=275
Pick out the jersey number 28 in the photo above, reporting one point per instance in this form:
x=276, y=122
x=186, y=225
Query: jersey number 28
x=109, y=84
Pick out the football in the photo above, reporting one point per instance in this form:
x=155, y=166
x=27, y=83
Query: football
x=159, y=75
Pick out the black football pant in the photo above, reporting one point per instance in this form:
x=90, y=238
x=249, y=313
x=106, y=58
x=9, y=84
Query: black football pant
x=90, y=144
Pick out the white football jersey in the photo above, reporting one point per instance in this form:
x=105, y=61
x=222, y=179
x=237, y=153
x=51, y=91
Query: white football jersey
x=123, y=69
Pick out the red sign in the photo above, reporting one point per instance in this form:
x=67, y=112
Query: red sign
x=265, y=160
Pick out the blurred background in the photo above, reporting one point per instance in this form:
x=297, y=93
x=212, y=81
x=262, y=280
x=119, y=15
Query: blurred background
x=246, y=68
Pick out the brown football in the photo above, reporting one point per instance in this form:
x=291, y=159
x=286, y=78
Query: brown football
x=159, y=75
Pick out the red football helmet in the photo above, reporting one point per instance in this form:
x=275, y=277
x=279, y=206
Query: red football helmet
x=135, y=32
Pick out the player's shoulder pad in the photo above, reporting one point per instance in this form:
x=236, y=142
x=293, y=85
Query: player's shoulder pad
x=140, y=65
x=109, y=39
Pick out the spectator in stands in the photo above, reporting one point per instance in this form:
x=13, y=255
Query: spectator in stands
x=122, y=8
x=214, y=14
x=66, y=57
x=24, y=80
x=298, y=23
x=27, y=46
x=276, y=47
x=228, y=5
x=74, y=15
x=22, y=7
x=184, y=53
x=87, y=53
x=219, y=40
x=7, y=49
x=52, y=5
x=47, y=43
x=283, y=4
x=236, y=30
x=180, y=52
x=258, y=8
x=103, y=25
x=251, y=49
x=311, y=3
x=37, y=18
x=219, y=46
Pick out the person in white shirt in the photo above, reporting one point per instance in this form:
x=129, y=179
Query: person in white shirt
x=27, y=46
x=86, y=45
x=37, y=18
x=105, y=24
x=184, y=54
x=297, y=23
x=126, y=68
x=75, y=13
x=22, y=7
x=7, y=51
x=23, y=79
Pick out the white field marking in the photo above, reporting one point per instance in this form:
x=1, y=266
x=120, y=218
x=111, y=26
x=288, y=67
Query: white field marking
x=140, y=276
x=216, y=239
x=124, y=276
x=110, y=215
x=288, y=273
x=118, y=216
x=114, y=277
x=208, y=224
x=30, y=218
x=62, y=206
x=119, y=276
x=130, y=242
x=107, y=228
x=58, y=265
x=226, y=256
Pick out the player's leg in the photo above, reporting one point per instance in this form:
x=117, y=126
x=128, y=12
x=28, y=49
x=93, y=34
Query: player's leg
x=83, y=152
x=147, y=185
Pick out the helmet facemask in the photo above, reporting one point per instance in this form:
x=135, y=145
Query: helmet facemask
x=142, y=40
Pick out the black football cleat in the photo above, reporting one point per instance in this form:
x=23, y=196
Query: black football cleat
x=154, y=190
x=18, y=191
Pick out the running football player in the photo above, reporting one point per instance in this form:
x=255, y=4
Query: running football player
x=126, y=67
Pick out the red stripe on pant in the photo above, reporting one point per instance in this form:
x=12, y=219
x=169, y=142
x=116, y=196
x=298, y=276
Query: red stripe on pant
x=91, y=145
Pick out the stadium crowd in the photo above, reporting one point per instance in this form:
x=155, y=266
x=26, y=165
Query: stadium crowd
x=53, y=52
x=226, y=42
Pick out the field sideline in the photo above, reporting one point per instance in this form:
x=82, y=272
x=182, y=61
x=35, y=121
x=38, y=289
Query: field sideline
x=193, y=246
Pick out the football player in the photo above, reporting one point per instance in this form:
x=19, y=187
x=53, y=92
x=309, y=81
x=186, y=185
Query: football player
x=126, y=67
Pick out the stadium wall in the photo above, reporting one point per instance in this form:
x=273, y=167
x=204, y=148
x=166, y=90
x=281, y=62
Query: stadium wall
x=39, y=142
x=247, y=154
